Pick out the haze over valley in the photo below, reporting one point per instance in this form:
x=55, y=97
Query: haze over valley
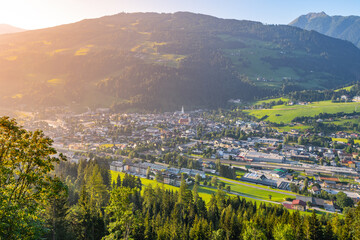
x=149, y=61
x=139, y=119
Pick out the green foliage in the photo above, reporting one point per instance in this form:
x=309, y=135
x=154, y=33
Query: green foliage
x=123, y=220
x=342, y=200
x=26, y=158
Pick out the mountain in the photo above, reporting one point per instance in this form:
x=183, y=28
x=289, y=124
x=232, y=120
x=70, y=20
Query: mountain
x=5, y=28
x=163, y=61
x=346, y=28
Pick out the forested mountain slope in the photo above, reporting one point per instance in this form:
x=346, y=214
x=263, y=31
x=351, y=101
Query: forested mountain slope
x=162, y=61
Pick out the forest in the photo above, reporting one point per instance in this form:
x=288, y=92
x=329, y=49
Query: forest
x=46, y=197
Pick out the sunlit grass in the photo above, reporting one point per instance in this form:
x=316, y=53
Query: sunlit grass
x=11, y=58
x=286, y=113
x=56, y=82
x=56, y=51
x=19, y=95
x=344, y=88
x=344, y=140
x=82, y=52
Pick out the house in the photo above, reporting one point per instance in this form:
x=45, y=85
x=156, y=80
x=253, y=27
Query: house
x=315, y=190
x=298, y=205
x=356, y=99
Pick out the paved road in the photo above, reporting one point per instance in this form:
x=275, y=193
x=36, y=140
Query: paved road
x=261, y=188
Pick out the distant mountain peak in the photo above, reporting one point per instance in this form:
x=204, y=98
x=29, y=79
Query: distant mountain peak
x=316, y=15
x=342, y=27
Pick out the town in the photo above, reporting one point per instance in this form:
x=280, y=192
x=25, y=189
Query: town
x=193, y=143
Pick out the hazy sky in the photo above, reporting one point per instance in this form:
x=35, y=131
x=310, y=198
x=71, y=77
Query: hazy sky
x=32, y=14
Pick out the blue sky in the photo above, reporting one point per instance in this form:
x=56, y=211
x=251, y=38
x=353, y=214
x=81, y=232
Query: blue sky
x=32, y=14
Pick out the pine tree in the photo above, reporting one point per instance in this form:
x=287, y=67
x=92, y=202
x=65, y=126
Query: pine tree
x=56, y=212
x=118, y=181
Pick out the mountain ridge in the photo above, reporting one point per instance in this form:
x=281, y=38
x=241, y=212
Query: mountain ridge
x=342, y=27
x=163, y=61
x=6, y=28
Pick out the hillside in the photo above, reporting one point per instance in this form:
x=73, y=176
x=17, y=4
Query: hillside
x=162, y=61
x=5, y=28
x=346, y=28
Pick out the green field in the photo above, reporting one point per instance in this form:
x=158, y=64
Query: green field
x=344, y=88
x=206, y=192
x=271, y=100
x=286, y=113
x=344, y=140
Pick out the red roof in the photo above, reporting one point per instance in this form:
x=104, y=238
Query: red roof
x=299, y=202
x=288, y=206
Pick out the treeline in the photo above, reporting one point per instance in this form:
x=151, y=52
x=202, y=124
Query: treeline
x=157, y=213
x=164, y=214
x=324, y=116
x=323, y=95
x=174, y=159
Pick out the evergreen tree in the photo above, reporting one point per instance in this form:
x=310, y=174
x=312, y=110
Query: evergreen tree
x=118, y=181
x=56, y=212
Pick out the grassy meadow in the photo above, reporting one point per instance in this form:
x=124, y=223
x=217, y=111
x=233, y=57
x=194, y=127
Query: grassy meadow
x=286, y=113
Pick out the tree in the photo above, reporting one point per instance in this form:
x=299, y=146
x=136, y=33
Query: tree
x=118, y=181
x=148, y=173
x=284, y=232
x=26, y=158
x=254, y=232
x=301, y=140
x=313, y=230
x=342, y=200
x=197, y=178
x=214, y=181
x=123, y=221
x=56, y=212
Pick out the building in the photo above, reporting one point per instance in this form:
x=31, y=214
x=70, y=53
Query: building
x=315, y=190
x=258, y=179
x=298, y=205
x=253, y=156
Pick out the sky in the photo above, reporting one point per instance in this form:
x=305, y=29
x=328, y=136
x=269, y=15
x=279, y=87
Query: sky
x=34, y=14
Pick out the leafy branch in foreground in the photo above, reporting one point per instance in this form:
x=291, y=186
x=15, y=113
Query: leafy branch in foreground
x=26, y=158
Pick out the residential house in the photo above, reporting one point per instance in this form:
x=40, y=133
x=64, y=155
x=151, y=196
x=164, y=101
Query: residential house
x=299, y=205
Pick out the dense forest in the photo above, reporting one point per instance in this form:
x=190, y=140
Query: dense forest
x=45, y=197
x=151, y=61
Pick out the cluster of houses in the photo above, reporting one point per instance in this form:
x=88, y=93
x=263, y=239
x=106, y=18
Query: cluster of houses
x=170, y=175
x=302, y=202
